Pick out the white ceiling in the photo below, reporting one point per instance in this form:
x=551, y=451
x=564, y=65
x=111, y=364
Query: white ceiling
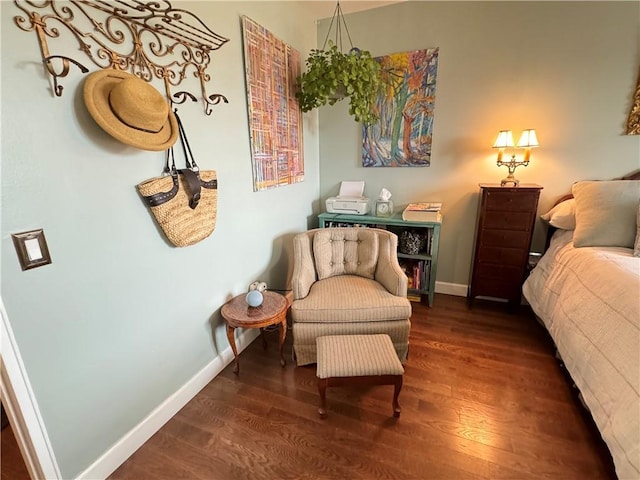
x=325, y=8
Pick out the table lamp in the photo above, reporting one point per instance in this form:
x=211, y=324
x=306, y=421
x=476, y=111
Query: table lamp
x=528, y=140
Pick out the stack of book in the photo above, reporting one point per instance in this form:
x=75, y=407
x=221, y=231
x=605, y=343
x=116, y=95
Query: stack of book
x=423, y=212
x=417, y=272
x=414, y=297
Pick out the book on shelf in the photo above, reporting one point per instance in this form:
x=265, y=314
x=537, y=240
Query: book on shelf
x=333, y=224
x=423, y=212
x=414, y=216
x=416, y=271
x=417, y=275
x=425, y=207
x=414, y=297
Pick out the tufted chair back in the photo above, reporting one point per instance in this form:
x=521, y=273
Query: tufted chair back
x=325, y=252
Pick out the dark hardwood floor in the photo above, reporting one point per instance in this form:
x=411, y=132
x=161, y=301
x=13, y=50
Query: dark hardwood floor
x=483, y=398
x=12, y=466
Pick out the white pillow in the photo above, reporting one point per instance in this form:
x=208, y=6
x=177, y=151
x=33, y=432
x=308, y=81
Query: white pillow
x=636, y=248
x=562, y=215
x=606, y=213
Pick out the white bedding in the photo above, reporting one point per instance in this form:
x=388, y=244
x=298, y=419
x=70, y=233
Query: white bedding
x=589, y=301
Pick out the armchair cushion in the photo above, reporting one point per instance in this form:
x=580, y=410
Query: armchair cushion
x=349, y=298
x=347, y=251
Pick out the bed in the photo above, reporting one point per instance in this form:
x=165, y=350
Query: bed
x=586, y=291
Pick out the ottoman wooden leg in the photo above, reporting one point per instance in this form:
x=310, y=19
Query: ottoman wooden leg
x=322, y=390
x=396, y=394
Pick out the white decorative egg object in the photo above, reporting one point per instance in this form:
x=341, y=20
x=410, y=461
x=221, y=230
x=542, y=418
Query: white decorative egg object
x=254, y=298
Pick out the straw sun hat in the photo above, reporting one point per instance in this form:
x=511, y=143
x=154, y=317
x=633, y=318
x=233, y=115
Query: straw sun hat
x=130, y=110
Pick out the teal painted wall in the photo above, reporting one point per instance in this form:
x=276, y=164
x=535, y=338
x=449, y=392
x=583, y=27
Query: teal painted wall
x=120, y=320
x=567, y=69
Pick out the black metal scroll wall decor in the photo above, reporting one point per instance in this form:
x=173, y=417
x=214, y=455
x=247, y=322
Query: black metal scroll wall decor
x=148, y=39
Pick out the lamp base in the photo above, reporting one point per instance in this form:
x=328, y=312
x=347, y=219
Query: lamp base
x=511, y=166
x=510, y=179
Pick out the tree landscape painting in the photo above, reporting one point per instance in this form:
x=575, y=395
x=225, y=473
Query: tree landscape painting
x=402, y=135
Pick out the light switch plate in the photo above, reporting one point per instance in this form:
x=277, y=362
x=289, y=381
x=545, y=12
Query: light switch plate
x=31, y=248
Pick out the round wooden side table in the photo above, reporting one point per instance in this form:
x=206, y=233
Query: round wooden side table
x=273, y=311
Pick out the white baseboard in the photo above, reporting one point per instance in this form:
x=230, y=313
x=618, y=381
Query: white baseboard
x=460, y=290
x=138, y=435
x=457, y=289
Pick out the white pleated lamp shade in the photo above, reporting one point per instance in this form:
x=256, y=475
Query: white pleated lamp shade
x=504, y=140
x=528, y=139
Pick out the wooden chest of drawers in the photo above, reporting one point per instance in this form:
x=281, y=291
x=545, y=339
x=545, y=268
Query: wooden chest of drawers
x=506, y=217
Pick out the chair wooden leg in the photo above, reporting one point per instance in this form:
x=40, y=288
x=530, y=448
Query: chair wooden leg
x=396, y=394
x=323, y=383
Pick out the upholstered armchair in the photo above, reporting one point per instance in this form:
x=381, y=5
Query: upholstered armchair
x=347, y=281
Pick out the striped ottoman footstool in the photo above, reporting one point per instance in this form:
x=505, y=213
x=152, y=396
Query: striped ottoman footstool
x=357, y=360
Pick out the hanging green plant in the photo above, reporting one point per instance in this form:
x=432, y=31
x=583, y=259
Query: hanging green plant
x=332, y=75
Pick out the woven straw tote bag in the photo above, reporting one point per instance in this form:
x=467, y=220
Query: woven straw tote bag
x=183, y=202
